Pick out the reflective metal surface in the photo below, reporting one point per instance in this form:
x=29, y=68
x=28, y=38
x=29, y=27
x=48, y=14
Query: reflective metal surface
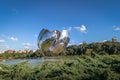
x=52, y=43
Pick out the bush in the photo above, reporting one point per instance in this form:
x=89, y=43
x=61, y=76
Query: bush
x=94, y=67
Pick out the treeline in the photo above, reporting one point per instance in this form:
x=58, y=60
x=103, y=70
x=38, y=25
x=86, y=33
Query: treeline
x=13, y=56
x=108, y=47
x=93, y=67
x=102, y=48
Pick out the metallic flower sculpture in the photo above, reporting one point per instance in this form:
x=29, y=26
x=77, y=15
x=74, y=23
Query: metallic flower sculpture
x=52, y=43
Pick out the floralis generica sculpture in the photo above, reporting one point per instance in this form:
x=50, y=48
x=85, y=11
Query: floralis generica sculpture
x=53, y=42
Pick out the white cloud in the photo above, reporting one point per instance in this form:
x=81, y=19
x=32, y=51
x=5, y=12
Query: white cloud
x=69, y=29
x=104, y=40
x=10, y=38
x=27, y=45
x=69, y=44
x=1, y=41
x=13, y=38
x=72, y=42
x=117, y=28
x=80, y=43
x=81, y=28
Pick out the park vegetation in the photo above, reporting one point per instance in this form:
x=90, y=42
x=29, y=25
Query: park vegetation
x=100, y=48
x=107, y=47
x=94, y=61
x=85, y=67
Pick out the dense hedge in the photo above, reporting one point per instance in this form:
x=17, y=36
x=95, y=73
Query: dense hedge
x=93, y=67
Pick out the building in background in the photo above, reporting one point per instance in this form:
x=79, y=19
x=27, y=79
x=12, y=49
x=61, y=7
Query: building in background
x=114, y=39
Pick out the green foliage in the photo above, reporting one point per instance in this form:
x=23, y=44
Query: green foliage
x=19, y=71
x=99, y=48
x=93, y=67
x=12, y=55
x=95, y=63
x=102, y=48
x=35, y=54
x=29, y=54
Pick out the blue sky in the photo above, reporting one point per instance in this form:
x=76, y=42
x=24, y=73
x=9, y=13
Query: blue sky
x=87, y=20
